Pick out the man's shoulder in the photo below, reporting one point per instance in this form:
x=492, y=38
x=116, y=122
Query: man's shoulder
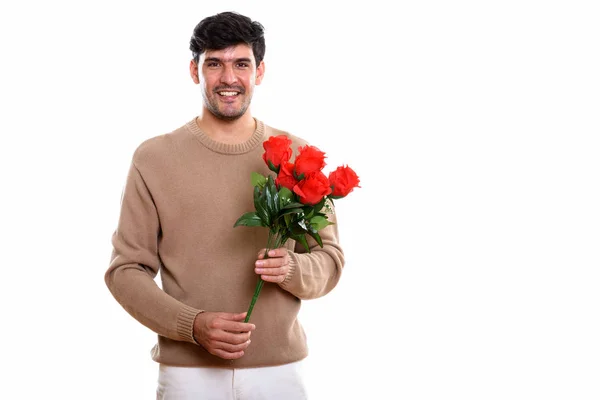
x=161, y=144
x=296, y=140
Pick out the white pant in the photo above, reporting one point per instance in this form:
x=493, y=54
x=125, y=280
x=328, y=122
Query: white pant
x=282, y=382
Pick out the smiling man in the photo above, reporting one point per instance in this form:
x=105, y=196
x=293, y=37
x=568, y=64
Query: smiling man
x=228, y=79
x=184, y=191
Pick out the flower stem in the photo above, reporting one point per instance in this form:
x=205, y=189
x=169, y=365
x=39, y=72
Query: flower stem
x=273, y=242
x=259, y=286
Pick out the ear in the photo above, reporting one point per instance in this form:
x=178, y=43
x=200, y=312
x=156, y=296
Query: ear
x=260, y=72
x=194, y=71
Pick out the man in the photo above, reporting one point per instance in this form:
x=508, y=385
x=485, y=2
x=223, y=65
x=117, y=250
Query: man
x=183, y=193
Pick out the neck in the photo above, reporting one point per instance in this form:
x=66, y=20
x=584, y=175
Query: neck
x=229, y=132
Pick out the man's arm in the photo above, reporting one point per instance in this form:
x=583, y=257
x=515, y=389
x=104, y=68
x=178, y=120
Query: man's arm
x=135, y=263
x=305, y=275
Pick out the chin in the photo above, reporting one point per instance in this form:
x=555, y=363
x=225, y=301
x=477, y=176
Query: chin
x=227, y=117
x=231, y=115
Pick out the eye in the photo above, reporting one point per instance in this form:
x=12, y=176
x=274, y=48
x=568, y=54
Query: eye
x=243, y=65
x=212, y=64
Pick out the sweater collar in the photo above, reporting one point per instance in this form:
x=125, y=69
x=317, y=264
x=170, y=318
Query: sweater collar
x=224, y=148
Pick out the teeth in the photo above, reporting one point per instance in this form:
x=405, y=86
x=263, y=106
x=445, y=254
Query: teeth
x=228, y=93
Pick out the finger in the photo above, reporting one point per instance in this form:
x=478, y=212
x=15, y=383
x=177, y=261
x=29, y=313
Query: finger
x=233, y=317
x=231, y=337
x=279, y=252
x=232, y=326
x=226, y=355
x=229, y=341
x=273, y=279
x=271, y=271
x=271, y=263
x=231, y=348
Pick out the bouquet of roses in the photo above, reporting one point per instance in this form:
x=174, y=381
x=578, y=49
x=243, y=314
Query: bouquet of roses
x=296, y=202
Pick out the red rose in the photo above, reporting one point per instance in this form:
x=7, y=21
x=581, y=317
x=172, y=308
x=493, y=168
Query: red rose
x=309, y=159
x=277, y=150
x=343, y=180
x=313, y=188
x=286, y=177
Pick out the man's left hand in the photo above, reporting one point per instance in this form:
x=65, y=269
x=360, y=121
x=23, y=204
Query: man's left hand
x=275, y=268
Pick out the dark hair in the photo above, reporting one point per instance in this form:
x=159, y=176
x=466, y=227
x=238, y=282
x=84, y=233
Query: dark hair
x=228, y=29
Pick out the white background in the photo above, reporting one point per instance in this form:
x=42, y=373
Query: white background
x=472, y=246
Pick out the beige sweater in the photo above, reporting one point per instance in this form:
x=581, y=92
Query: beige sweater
x=183, y=194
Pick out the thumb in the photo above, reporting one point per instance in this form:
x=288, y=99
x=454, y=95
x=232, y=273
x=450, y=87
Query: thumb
x=234, y=317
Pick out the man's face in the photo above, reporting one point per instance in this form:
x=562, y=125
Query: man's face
x=228, y=78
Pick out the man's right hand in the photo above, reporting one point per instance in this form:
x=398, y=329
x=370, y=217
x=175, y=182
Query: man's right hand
x=223, y=334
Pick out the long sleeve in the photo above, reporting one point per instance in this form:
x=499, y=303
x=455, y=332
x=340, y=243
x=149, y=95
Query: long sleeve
x=135, y=262
x=315, y=274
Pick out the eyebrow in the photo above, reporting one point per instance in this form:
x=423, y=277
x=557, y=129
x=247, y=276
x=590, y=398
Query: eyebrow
x=242, y=59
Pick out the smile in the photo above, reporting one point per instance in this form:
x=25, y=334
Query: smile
x=228, y=94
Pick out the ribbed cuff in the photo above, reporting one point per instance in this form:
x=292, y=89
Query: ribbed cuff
x=185, y=323
x=292, y=271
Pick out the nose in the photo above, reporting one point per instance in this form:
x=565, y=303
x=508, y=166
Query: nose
x=228, y=75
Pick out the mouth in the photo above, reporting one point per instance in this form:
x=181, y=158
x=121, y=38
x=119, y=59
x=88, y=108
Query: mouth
x=228, y=94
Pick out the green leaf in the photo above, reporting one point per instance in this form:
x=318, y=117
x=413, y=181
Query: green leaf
x=320, y=204
x=297, y=227
x=288, y=220
x=249, y=219
x=275, y=195
x=291, y=211
x=309, y=211
x=261, y=207
x=305, y=243
x=319, y=222
x=317, y=237
x=258, y=179
x=302, y=239
x=293, y=205
x=285, y=196
x=268, y=197
x=273, y=167
x=288, y=215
